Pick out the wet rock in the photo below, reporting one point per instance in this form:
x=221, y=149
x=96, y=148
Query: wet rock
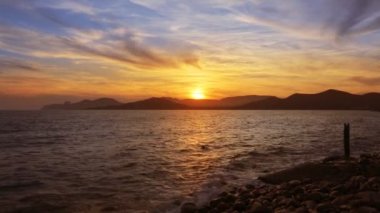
x=245, y=196
x=215, y=202
x=316, y=196
x=298, y=190
x=334, y=194
x=324, y=207
x=355, y=182
x=239, y=206
x=374, y=180
x=325, y=187
x=229, y=198
x=364, y=209
x=301, y=210
x=364, y=159
x=210, y=211
x=262, y=191
x=188, y=208
x=177, y=202
x=285, y=202
x=234, y=190
x=223, y=194
x=342, y=200
x=310, y=204
x=294, y=183
x=281, y=210
x=259, y=208
x=250, y=186
x=279, y=199
x=291, y=209
x=369, y=195
x=369, y=198
x=373, y=184
x=339, y=188
x=222, y=207
x=344, y=208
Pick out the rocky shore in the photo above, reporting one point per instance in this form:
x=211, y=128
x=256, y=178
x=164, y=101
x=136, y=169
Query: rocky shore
x=332, y=185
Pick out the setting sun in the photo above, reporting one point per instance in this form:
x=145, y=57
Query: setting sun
x=198, y=94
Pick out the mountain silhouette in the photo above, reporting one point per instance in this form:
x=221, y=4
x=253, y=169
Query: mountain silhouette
x=329, y=99
x=151, y=103
x=242, y=100
x=224, y=103
x=85, y=104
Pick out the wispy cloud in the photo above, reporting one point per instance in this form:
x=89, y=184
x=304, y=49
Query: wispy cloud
x=132, y=53
x=317, y=18
x=74, y=6
x=369, y=81
x=126, y=48
x=14, y=64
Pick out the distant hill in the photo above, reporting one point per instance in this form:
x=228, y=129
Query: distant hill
x=85, y=104
x=194, y=103
x=224, y=103
x=151, y=103
x=242, y=100
x=329, y=99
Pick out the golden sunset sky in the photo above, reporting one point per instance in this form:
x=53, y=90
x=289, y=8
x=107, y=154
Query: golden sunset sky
x=52, y=51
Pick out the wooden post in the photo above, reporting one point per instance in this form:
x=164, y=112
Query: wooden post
x=346, y=140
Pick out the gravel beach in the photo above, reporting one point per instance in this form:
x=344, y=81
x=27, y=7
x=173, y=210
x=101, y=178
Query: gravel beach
x=332, y=185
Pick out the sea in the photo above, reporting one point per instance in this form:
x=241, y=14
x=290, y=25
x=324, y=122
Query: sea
x=152, y=161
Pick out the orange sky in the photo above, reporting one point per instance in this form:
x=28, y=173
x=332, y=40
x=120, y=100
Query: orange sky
x=141, y=48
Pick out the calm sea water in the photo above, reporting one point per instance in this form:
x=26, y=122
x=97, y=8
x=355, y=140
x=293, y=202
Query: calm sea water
x=130, y=161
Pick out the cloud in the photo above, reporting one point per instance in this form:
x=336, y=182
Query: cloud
x=362, y=16
x=314, y=18
x=87, y=37
x=369, y=81
x=69, y=5
x=132, y=52
x=13, y=64
x=127, y=48
x=149, y=3
x=74, y=6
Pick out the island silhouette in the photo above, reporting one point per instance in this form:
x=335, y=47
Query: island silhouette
x=327, y=100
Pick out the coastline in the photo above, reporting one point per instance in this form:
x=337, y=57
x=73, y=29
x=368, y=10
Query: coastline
x=331, y=185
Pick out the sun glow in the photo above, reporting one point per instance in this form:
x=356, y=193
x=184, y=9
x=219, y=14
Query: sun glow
x=198, y=94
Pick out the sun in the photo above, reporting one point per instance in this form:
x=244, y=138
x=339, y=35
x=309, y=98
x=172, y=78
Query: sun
x=198, y=94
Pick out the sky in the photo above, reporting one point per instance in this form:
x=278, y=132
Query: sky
x=52, y=51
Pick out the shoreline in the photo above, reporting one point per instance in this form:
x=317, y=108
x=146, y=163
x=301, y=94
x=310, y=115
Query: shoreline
x=330, y=185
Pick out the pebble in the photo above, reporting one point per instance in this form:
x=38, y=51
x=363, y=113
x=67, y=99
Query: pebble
x=259, y=208
x=344, y=199
x=324, y=207
x=310, y=204
x=239, y=206
x=364, y=209
x=294, y=183
x=188, y=208
x=316, y=196
x=358, y=193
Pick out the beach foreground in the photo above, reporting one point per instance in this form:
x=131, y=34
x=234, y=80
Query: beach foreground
x=332, y=185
